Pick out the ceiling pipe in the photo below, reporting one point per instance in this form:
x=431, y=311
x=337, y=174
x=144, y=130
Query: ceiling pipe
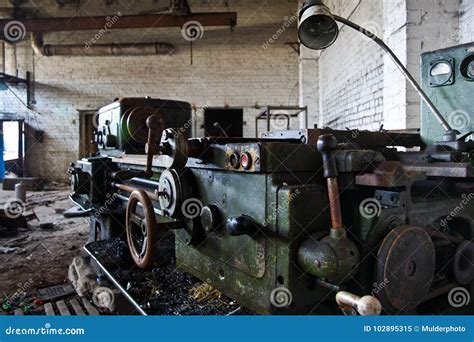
x=138, y=49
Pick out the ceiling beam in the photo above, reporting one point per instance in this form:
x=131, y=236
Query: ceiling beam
x=122, y=22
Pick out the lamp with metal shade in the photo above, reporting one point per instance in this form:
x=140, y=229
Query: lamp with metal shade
x=318, y=29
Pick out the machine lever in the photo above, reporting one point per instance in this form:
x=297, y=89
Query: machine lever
x=327, y=145
x=153, y=122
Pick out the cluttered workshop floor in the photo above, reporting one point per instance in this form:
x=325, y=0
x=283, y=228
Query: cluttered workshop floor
x=39, y=253
x=39, y=247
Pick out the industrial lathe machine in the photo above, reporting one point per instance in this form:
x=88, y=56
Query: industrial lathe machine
x=299, y=221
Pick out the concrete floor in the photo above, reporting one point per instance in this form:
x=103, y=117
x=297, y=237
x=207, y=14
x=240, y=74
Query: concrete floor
x=44, y=256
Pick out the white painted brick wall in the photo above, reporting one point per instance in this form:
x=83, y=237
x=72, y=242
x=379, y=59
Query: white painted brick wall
x=466, y=22
x=351, y=71
x=228, y=69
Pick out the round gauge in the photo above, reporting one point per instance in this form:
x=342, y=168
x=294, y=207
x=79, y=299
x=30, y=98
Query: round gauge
x=467, y=68
x=441, y=73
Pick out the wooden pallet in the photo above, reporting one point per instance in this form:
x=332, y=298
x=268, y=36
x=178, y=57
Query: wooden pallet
x=80, y=307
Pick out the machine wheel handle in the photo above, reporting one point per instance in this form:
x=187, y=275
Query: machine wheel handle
x=142, y=232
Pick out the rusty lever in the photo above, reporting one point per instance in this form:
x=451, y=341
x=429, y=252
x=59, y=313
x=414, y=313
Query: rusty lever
x=327, y=145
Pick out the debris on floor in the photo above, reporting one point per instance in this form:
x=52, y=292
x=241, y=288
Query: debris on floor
x=164, y=290
x=40, y=245
x=83, y=276
x=55, y=291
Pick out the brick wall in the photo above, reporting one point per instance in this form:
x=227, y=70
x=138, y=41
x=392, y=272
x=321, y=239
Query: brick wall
x=466, y=22
x=250, y=66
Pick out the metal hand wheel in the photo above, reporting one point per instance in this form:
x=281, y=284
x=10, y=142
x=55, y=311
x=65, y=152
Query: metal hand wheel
x=142, y=229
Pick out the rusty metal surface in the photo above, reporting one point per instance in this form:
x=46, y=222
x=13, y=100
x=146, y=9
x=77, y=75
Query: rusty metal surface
x=461, y=170
x=334, y=204
x=390, y=174
x=362, y=138
x=142, y=230
x=125, y=22
x=406, y=266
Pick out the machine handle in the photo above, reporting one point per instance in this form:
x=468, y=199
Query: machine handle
x=153, y=122
x=327, y=145
x=365, y=306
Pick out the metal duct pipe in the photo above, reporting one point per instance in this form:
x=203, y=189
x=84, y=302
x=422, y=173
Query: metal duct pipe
x=139, y=49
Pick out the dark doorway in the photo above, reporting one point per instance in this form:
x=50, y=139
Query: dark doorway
x=220, y=120
x=86, y=129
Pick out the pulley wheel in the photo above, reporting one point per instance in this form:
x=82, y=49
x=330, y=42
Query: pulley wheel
x=142, y=229
x=405, y=268
x=171, y=193
x=136, y=123
x=175, y=149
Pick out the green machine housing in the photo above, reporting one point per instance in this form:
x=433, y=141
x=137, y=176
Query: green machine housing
x=116, y=120
x=447, y=77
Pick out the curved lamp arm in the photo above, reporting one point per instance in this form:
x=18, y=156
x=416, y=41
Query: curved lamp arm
x=452, y=133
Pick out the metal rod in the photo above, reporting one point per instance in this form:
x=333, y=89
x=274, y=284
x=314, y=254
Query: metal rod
x=334, y=204
x=400, y=66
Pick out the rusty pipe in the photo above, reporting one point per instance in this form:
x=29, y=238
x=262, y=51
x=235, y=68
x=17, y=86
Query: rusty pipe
x=126, y=49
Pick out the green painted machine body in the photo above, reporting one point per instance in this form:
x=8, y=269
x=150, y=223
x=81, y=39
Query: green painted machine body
x=447, y=77
x=247, y=267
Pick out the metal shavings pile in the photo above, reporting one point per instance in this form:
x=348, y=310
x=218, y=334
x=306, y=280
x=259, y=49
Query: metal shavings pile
x=204, y=293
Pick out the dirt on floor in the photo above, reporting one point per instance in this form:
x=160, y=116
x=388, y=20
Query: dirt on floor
x=45, y=249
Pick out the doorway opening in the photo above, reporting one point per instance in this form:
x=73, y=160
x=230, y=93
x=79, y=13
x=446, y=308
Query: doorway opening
x=224, y=122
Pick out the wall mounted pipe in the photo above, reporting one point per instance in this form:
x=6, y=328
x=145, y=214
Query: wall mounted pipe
x=127, y=49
